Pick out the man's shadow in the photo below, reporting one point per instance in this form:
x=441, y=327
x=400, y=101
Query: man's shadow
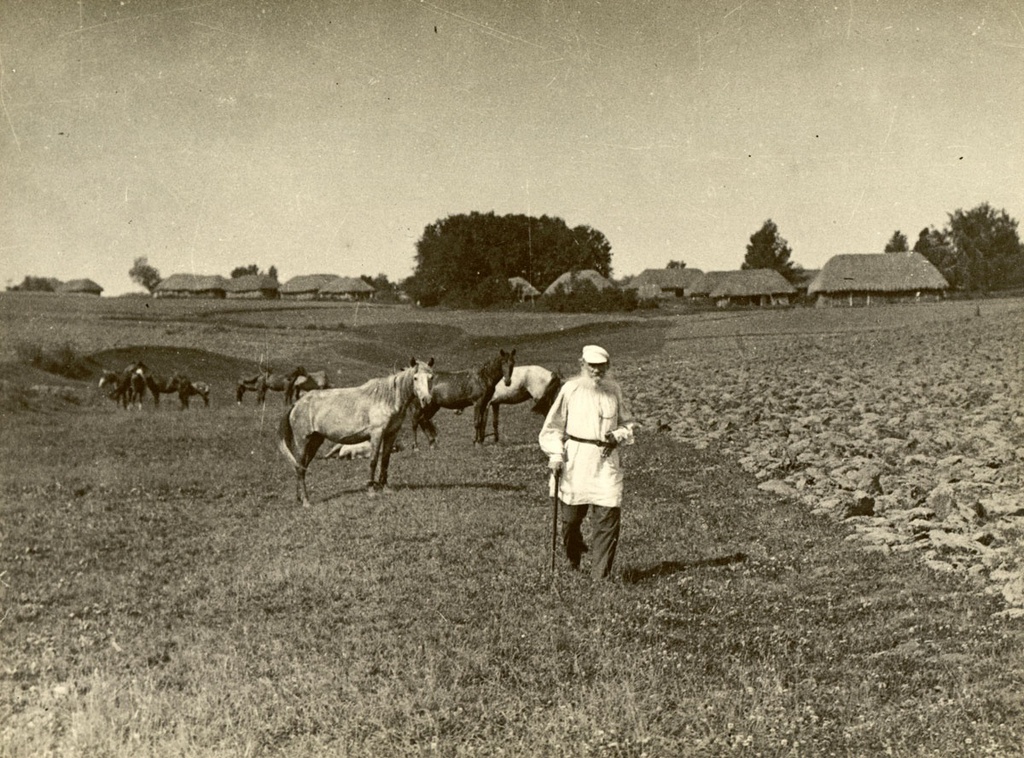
x=635, y=575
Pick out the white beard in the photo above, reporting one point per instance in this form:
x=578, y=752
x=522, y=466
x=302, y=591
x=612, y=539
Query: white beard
x=602, y=384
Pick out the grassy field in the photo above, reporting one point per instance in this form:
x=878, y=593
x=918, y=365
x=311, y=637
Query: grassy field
x=163, y=595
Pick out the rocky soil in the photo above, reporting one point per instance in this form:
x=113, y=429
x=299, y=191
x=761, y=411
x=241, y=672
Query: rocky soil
x=913, y=433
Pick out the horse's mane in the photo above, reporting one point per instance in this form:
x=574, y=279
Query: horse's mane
x=392, y=390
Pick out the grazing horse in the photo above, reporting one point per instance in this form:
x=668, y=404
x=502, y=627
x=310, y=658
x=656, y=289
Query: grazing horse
x=373, y=411
x=460, y=389
x=128, y=386
x=159, y=386
x=311, y=380
x=187, y=389
x=264, y=381
x=528, y=383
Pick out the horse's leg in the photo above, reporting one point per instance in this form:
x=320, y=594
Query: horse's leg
x=426, y=424
x=312, y=444
x=376, y=442
x=494, y=409
x=479, y=420
x=421, y=419
x=387, y=446
x=480, y=416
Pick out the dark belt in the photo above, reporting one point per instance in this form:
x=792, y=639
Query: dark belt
x=606, y=445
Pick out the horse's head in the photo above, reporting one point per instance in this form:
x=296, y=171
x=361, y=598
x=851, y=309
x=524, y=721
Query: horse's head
x=508, y=363
x=423, y=380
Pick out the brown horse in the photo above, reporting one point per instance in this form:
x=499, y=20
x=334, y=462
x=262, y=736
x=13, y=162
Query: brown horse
x=460, y=389
x=311, y=380
x=373, y=411
x=128, y=386
x=187, y=389
x=162, y=386
x=265, y=381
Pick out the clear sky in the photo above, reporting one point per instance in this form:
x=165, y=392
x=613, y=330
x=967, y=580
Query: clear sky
x=322, y=137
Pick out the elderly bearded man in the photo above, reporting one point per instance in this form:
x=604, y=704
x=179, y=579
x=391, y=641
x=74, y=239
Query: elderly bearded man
x=581, y=436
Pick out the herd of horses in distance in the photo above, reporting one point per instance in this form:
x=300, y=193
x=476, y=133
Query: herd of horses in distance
x=361, y=421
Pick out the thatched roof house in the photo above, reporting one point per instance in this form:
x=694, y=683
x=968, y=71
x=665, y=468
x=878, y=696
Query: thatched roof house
x=860, y=279
x=253, y=287
x=306, y=287
x=80, y=287
x=665, y=282
x=706, y=282
x=567, y=280
x=523, y=289
x=756, y=286
x=191, y=285
x=347, y=288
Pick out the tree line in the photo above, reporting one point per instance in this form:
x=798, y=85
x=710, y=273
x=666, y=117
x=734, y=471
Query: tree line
x=468, y=259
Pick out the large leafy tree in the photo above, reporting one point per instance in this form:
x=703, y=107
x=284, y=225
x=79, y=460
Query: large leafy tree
x=897, y=243
x=468, y=258
x=145, y=275
x=987, y=248
x=934, y=245
x=768, y=249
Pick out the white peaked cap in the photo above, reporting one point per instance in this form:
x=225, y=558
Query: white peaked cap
x=595, y=354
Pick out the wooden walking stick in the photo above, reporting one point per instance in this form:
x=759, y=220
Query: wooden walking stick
x=554, y=520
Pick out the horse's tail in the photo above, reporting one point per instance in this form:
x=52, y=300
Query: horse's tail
x=286, y=438
x=545, y=401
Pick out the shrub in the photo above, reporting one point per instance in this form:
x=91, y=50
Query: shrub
x=585, y=297
x=63, y=360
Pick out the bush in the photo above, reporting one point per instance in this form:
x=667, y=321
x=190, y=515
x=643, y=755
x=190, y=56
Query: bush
x=587, y=298
x=63, y=360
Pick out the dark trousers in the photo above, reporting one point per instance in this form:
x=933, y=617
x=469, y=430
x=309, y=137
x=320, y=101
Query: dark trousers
x=604, y=538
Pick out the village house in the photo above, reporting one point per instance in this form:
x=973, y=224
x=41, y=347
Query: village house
x=306, y=287
x=347, y=288
x=758, y=286
x=192, y=285
x=253, y=287
x=664, y=283
x=866, y=279
x=80, y=287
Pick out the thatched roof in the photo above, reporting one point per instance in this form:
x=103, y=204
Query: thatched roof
x=81, y=286
x=523, y=287
x=569, y=277
x=705, y=283
x=877, y=272
x=346, y=285
x=666, y=278
x=252, y=283
x=191, y=283
x=751, y=283
x=306, y=283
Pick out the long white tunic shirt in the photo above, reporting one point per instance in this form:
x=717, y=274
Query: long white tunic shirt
x=588, y=412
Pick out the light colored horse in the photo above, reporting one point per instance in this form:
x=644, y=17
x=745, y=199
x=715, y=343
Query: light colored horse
x=528, y=383
x=460, y=389
x=358, y=450
x=373, y=411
